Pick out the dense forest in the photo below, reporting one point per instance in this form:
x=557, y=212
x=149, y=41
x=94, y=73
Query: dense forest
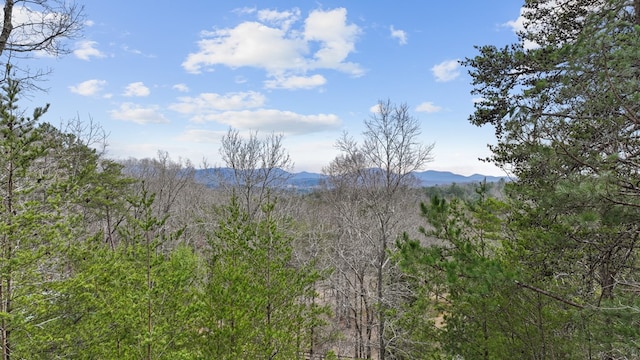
x=139, y=259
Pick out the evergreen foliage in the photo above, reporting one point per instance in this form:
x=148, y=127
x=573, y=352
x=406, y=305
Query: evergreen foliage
x=93, y=264
x=461, y=286
x=31, y=227
x=256, y=304
x=564, y=104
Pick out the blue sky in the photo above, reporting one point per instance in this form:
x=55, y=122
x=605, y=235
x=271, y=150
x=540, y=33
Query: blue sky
x=161, y=75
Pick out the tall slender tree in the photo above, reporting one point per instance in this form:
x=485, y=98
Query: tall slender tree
x=255, y=301
x=564, y=103
x=381, y=170
x=30, y=227
x=461, y=282
x=133, y=300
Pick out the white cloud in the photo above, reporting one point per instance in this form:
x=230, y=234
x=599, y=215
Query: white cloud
x=446, y=70
x=207, y=103
x=245, y=10
x=139, y=114
x=87, y=49
x=181, y=87
x=248, y=44
x=89, y=87
x=200, y=136
x=296, y=82
x=282, y=19
x=136, y=89
x=518, y=25
x=401, y=35
x=30, y=25
x=137, y=52
x=428, y=107
x=337, y=39
x=282, y=51
x=286, y=122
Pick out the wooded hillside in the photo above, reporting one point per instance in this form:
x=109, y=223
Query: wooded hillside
x=105, y=259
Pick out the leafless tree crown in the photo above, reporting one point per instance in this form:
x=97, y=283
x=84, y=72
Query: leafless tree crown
x=257, y=166
x=39, y=26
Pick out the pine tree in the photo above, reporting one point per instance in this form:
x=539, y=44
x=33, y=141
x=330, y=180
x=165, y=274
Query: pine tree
x=134, y=300
x=461, y=286
x=564, y=103
x=31, y=228
x=254, y=306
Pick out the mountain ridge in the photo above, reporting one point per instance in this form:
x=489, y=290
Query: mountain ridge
x=310, y=180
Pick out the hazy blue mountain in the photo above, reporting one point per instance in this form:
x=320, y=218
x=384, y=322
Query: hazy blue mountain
x=308, y=181
x=433, y=177
x=305, y=180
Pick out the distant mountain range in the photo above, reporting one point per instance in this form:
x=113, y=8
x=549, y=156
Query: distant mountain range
x=307, y=180
x=433, y=177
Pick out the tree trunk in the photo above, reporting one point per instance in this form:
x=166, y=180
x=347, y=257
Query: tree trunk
x=383, y=252
x=7, y=250
x=7, y=25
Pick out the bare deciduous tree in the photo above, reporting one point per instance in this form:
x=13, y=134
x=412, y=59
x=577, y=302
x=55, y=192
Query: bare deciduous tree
x=169, y=180
x=256, y=166
x=39, y=25
x=373, y=176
